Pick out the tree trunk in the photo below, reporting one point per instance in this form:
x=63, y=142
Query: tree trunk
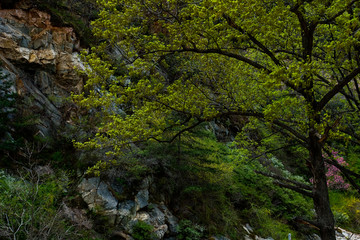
x=321, y=195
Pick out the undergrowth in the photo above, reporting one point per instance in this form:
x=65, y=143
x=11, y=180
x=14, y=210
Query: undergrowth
x=217, y=187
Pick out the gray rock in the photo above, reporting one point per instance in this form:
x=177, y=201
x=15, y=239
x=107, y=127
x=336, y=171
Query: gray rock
x=116, y=186
x=143, y=216
x=87, y=189
x=109, y=201
x=9, y=78
x=42, y=42
x=44, y=81
x=16, y=34
x=127, y=209
x=141, y=199
x=157, y=217
x=170, y=219
x=160, y=231
x=98, y=197
x=96, y=194
x=126, y=214
x=342, y=234
x=247, y=228
x=32, y=44
x=53, y=114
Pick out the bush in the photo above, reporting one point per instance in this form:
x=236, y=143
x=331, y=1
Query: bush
x=218, y=187
x=189, y=231
x=142, y=231
x=345, y=207
x=30, y=209
x=266, y=226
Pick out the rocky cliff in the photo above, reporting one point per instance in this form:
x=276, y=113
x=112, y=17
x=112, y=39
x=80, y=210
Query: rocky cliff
x=40, y=58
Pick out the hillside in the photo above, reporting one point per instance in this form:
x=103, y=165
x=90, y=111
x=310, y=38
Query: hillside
x=179, y=120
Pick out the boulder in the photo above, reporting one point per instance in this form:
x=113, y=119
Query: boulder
x=125, y=212
x=96, y=194
x=170, y=219
x=99, y=196
x=159, y=216
x=141, y=199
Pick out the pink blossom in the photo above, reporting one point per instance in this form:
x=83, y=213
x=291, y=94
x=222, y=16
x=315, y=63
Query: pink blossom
x=334, y=178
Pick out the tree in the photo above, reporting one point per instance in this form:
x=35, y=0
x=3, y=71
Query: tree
x=290, y=65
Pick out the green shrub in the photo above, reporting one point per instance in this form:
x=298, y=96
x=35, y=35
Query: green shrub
x=142, y=231
x=266, y=226
x=189, y=231
x=218, y=185
x=345, y=207
x=261, y=192
x=341, y=218
x=30, y=209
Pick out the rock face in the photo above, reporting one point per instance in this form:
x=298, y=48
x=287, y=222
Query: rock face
x=102, y=198
x=41, y=58
x=342, y=234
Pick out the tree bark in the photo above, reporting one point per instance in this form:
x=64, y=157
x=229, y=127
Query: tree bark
x=323, y=211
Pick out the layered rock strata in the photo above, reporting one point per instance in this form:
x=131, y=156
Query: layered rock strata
x=42, y=58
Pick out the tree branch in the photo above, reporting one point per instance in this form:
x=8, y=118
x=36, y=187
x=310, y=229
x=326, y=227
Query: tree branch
x=277, y=177
x=178, y=133
x=291, y=130
x=252, y=38
x=294, y=188
x=276, y=122
x=228, y=54
x=336, y=89
x=327, y=21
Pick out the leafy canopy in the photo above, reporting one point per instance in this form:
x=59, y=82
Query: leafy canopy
x=179, y=63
